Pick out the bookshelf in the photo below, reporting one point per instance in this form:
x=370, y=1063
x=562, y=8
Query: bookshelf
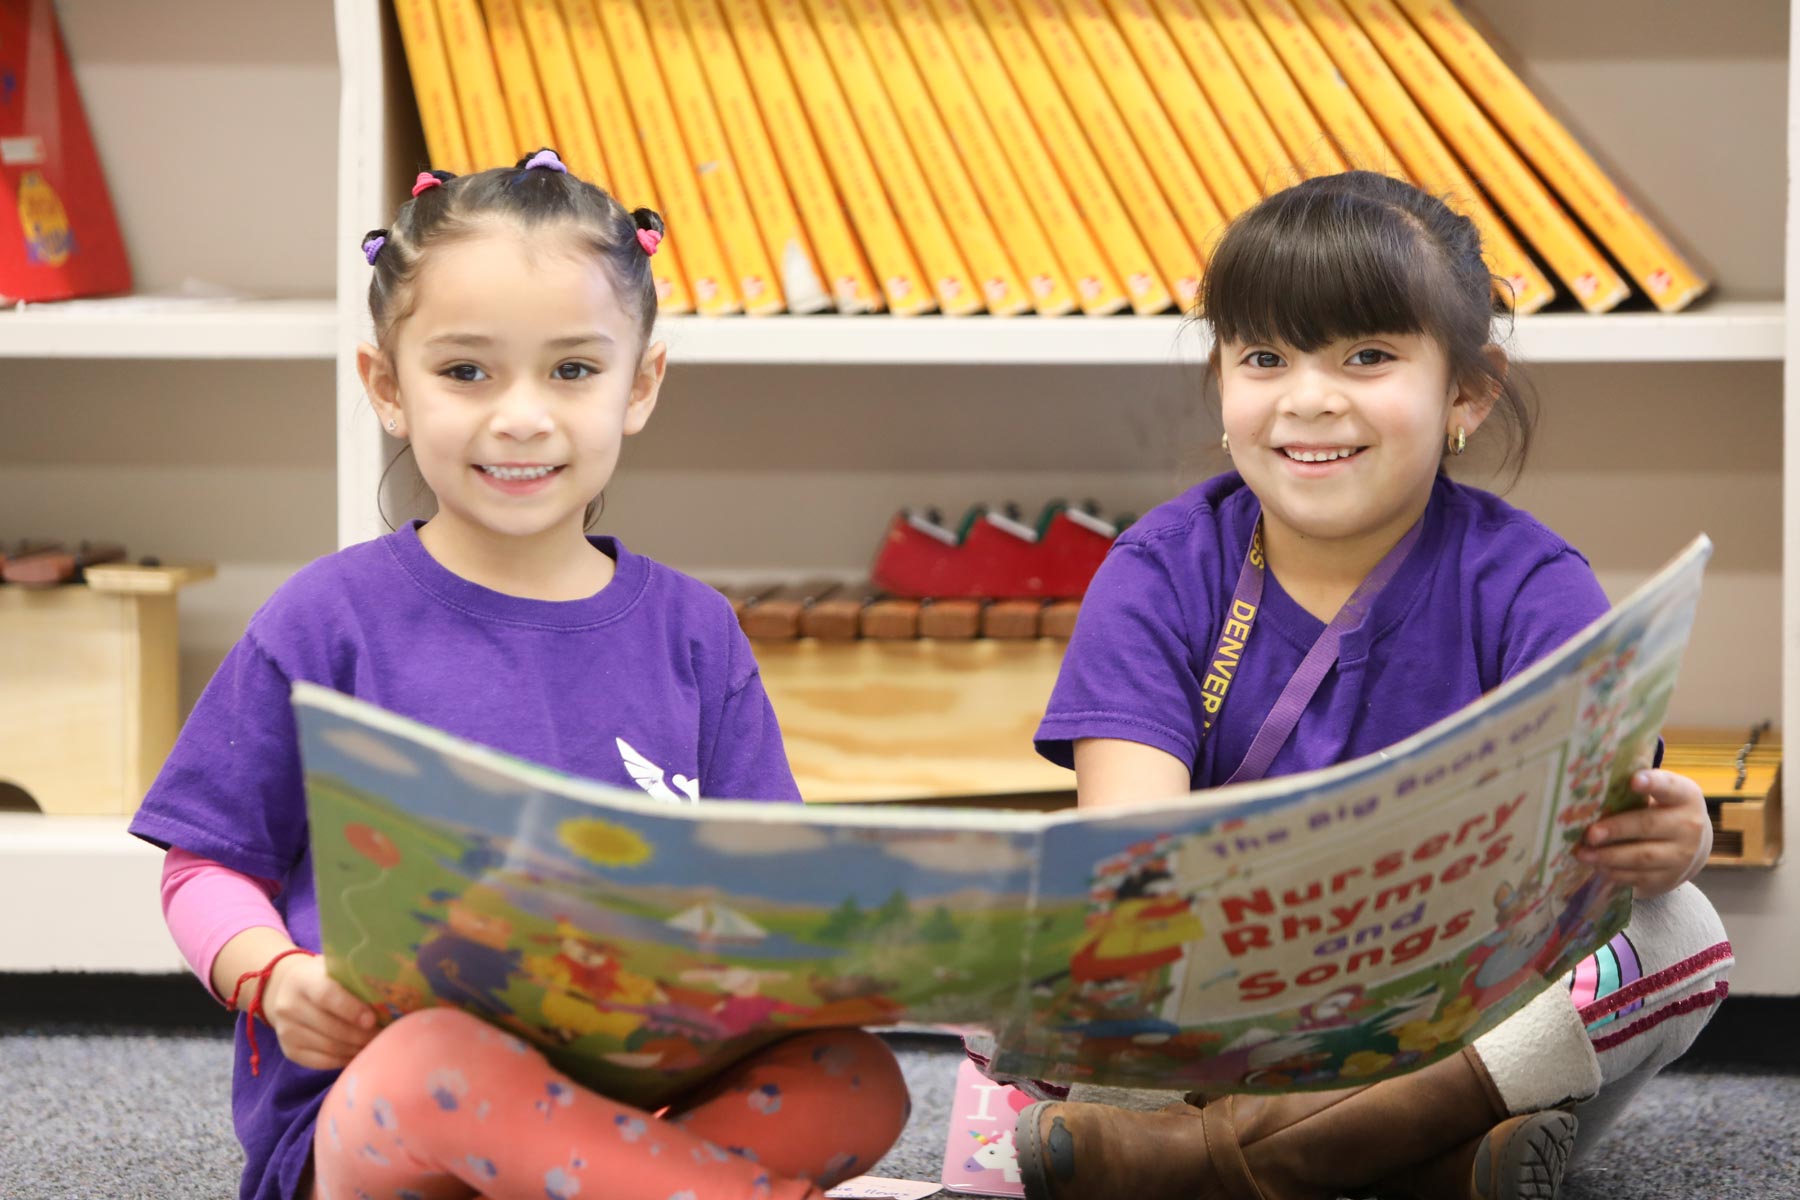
x=783, y=443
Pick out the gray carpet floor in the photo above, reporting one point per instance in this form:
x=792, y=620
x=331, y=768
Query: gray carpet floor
x=146, y=1116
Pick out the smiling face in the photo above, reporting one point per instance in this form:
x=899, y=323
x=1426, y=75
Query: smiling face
x=515, y=377
x=1342, y=442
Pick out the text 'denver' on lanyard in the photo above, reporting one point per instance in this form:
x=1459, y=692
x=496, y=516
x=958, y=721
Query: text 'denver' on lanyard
x=1240, y=618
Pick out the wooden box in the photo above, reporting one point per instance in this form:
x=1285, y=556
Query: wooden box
x=1739, y=772
x=90, y=687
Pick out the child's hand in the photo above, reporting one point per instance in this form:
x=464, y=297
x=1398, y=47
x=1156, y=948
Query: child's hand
x=1654, y=849
x=320, y=1024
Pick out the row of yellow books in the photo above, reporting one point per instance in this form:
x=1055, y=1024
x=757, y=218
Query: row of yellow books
x=1014, y=156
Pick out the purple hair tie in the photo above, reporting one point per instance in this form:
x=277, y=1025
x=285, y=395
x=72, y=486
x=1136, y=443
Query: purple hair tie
x=372, y=247
x=545, y=160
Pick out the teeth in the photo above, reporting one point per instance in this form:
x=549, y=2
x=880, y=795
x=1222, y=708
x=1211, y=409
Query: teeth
x=1318, y=456
x=518, y=472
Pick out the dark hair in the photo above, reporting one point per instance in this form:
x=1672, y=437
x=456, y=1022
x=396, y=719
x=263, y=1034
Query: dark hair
x=1354, y=254
x=533, y=197
x=536, y=198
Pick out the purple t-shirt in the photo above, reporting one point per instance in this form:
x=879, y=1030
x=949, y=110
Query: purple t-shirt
x=1487, y=592
x=654, y=660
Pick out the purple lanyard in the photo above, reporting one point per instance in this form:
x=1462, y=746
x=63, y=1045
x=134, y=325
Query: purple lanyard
x=1246, y=602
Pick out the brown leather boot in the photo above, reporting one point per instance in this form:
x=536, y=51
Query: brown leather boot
x=1306, y=1146
x=1522, y=1158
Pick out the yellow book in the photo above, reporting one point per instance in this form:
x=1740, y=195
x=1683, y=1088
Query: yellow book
x=566, y=104
x=519, y=80
x=905, y=285
x=485, y=123
x=1068, y=145
x=1491, y=158
x=445, y=144
x=627, y=174
x=1097, y=286
x=721, y=188
x=1429, y=161
x=1193, y=117
x=992, y=178
x=1133, y=136
x=972, y=228
x=957, y=289
x=1671, y=282
x=671, y=167
x=1359, y=142
x=1261, y=148
x=852, y=281
x=784, y=237
x=1308, y=144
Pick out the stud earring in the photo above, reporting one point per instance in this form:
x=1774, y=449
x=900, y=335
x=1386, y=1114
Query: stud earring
x=1225, y=442
x=1459, y=443
x=392, y=425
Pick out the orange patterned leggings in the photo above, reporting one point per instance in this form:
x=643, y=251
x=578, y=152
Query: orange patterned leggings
x=442, y=1106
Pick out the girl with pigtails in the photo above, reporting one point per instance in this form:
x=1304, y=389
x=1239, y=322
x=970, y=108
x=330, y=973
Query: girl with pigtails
x=513, y=313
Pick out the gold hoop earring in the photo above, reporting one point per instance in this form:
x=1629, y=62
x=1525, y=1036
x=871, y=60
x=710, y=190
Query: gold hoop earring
x=1225, y=442
x=1459, y=443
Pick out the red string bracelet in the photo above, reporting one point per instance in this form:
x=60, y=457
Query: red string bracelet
x=255, y=1010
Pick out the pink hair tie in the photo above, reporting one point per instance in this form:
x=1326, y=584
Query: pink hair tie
x=649, y=239
x=425, y=182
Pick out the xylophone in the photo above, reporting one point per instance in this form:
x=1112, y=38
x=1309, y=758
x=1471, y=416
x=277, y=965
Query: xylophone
x=993, y=575
x=845, y=612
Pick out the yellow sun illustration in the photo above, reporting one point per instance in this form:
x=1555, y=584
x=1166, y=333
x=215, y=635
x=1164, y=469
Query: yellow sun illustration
x=604, y=843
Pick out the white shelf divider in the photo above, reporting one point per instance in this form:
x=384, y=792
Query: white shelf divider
x=81, y=895
x=149, y=327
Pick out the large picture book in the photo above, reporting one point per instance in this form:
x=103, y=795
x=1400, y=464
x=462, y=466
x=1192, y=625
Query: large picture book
x=1304, y=932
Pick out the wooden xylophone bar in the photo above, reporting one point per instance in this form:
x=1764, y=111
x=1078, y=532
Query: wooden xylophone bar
x=844, y=612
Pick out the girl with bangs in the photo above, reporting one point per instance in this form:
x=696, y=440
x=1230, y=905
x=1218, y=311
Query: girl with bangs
x=1352, y=317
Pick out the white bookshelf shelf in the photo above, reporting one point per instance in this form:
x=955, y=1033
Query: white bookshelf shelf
x=148, y=327
x=145, y=328
x=1729, y=331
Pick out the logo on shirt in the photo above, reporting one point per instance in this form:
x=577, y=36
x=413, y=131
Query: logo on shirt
x=652, y=778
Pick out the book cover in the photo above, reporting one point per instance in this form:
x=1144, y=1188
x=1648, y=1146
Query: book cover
x=1491, y=159
x=519, y=82
x=478, y=95
x=1240, y=112
x=646, y=99
x=1187, y=106
x=904, y=282
x=1359, y=142
x=572, y=126
x=61, y=236
x=1671, y=282
x=784, y=237
x=1097, y=287
x=1304, y=932
x=1114, y=225
x=628, y=175
x=1309, y=146
x=1135, y=138
x=427, y=63
x=711, y=160
x=851, y=279
x=989, y=173
x=1429, y=161
x=966, y=215
x=946, y=268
